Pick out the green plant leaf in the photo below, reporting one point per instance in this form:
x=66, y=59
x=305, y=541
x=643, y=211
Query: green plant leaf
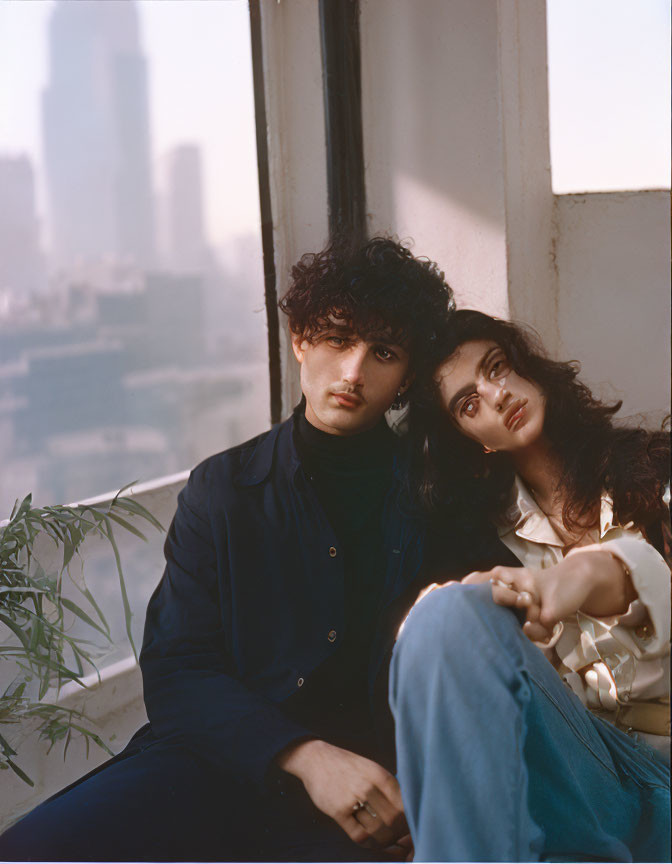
x=131, y=506
x=7, y=749
x=80, y=613
x=89, y=596
x=122, y=490
x=22, y=774
x=32, y=608
x=128, y=614
x=18, y=632
x=127, y=525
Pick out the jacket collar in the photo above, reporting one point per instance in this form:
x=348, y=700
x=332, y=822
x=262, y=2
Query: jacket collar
x=280, y=440
x=277, y=444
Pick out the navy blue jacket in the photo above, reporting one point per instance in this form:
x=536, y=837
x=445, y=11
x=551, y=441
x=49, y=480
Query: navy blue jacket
x=251, y=596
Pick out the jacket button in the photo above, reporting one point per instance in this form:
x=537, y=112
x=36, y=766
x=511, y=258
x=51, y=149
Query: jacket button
x=332, y=551
x=331, y=635
x=299, y=683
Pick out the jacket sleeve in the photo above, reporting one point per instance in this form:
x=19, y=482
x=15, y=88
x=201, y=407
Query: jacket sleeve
x=191, y=693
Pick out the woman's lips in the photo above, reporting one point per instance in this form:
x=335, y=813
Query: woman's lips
x=515, y=415
x=347, y=400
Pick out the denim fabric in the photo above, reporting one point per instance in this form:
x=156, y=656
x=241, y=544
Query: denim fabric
x=499, y=761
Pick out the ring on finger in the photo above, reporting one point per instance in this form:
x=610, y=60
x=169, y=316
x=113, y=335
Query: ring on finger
x=364, y=805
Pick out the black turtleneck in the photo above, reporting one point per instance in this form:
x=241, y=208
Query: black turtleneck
x=351, y=476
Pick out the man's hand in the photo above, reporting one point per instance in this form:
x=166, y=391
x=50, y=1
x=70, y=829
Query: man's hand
x=339, y=781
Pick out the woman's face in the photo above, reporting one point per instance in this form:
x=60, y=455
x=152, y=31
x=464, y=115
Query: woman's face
x=488, y=401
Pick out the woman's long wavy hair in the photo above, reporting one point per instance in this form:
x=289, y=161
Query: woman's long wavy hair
x=451, y=473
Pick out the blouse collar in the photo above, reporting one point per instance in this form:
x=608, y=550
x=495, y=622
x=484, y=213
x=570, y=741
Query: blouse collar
x=526, y=518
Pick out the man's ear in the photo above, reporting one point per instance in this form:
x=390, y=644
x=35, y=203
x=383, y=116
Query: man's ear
x=406, y=383
x=298, y=343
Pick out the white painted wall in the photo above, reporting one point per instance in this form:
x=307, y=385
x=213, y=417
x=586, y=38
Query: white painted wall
x=613, y=265
x=527, y=171
x=432, y=137
x=455, y=114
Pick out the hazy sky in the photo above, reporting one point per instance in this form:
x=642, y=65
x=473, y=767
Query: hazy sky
x=609, y=90
x=200, y=90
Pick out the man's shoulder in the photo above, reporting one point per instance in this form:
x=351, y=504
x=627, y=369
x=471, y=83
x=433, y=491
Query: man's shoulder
x=243, y=461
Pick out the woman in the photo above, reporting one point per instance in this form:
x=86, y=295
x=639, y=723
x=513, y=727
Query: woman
x=499, y=756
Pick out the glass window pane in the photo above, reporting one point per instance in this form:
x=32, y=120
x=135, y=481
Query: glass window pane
x=609, y=93
x=132, y=323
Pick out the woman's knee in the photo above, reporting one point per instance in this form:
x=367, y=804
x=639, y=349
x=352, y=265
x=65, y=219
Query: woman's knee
x=444, y=621
x=458, y=621
x=450, y=609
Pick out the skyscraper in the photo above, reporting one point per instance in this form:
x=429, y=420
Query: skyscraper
x=186, y=242
x=21, y=263
x=96, y=134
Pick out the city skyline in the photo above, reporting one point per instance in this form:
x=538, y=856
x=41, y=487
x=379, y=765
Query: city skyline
x=128, y=349
x=96, y=136
x=190, y=96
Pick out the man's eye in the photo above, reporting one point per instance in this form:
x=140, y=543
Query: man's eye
x=385, y=354
x=336, y=341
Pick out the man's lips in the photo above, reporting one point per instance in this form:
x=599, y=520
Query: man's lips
x=347, y=400
x=515, y=413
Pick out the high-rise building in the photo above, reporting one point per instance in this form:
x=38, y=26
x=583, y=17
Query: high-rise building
x=96, y=134
x=21, y=261
x=186, y=241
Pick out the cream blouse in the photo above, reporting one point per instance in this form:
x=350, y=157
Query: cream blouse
x=618, y=666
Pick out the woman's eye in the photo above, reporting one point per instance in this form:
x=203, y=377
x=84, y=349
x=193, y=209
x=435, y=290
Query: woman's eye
x=469, y=408
x=499, y=367
x=336, y=341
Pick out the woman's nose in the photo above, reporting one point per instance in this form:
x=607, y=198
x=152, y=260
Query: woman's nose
x=501, y=398
x=495, y=393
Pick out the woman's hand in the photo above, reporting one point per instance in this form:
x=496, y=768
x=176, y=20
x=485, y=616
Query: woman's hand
x=595, y=582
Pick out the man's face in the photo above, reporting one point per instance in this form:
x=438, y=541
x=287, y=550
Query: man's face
x=349, y=382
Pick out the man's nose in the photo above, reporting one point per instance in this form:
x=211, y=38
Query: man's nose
x=353, y=365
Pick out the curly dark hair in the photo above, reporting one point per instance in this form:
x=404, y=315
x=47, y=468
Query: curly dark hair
x=451, y=472
x=375, y=287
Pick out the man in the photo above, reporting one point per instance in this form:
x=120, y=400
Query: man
x=289, y=564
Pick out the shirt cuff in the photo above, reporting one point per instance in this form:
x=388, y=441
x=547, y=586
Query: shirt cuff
x=651, y=580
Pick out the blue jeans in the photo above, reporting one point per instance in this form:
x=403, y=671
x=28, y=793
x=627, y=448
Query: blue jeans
x=499, y=761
